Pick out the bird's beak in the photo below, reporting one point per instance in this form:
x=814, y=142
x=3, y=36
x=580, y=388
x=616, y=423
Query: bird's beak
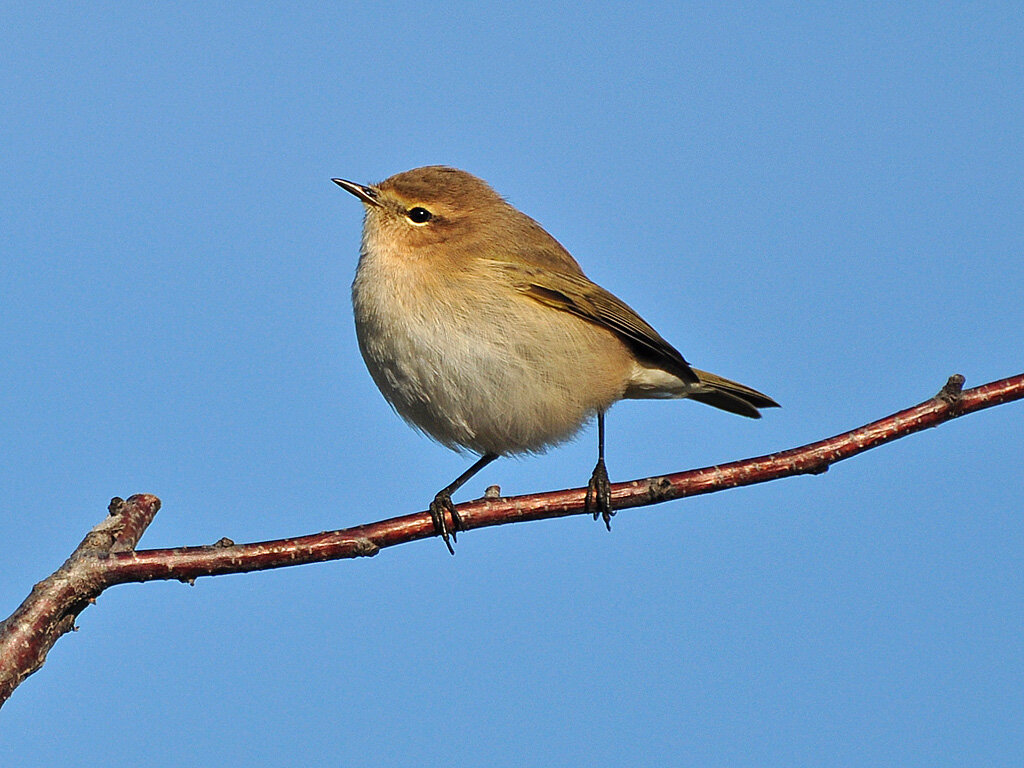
x=367, y=194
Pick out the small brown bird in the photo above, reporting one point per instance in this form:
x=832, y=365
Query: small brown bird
x=483, y=332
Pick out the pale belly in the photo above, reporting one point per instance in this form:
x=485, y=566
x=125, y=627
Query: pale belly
x=505, y=376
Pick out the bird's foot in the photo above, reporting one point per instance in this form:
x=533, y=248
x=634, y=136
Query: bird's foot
x=599, y=495
x=443, y=503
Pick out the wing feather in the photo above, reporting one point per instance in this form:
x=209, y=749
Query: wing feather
x=579, y=296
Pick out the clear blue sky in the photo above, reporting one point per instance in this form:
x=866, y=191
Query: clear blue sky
x=823, y=203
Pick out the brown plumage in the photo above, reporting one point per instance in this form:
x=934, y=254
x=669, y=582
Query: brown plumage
x=483, y=332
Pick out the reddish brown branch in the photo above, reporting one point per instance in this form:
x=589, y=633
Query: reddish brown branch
x=51, y=609
x=107, y=556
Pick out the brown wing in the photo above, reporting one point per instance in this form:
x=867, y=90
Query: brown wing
x=575, y=294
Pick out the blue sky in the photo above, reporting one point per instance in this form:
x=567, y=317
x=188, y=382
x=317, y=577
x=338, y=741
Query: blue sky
x=822, y=203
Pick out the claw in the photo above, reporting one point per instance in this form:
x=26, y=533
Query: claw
x=443, y=503
x=599, y=495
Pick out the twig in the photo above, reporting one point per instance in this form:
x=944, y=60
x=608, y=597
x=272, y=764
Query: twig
x=107, y=556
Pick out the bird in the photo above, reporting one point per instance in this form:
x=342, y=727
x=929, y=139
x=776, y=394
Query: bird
x=482, y=331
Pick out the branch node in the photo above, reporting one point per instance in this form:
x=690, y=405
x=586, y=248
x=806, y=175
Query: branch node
x=363, y=547
x=658, y=489
x=952, y=391
x=223, y=543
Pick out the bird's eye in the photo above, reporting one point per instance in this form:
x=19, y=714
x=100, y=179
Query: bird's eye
x=419, y=215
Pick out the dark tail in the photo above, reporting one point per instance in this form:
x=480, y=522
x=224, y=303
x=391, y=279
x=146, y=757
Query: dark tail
x=730, y=395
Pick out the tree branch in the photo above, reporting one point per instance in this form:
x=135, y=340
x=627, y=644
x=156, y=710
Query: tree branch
x=107, y=555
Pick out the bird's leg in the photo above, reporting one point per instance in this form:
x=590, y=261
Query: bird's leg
x=443, y=502
x=599, y=490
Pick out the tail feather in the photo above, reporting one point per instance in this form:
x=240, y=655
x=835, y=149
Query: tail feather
x=730, y=395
